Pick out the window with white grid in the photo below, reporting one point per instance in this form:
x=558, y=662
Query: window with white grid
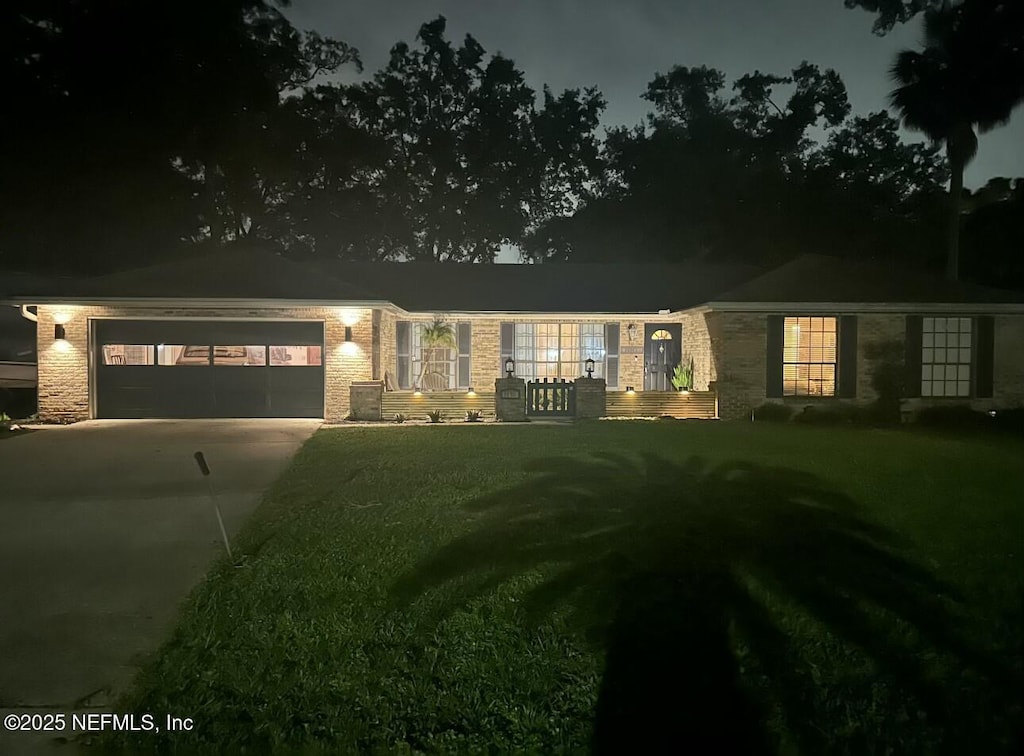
x=558, y=350
x=946, y=351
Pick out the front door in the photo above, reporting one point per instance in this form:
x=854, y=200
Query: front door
x=661, y=354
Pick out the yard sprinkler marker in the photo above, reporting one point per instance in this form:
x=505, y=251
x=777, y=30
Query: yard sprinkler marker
x=201, y=461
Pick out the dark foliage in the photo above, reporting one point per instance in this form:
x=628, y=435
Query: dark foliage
x=773, y=412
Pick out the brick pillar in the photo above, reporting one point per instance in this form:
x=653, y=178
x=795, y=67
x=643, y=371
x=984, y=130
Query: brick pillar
x=365, y=399
x=590, y=397
x=510, y=399
x=733, y=402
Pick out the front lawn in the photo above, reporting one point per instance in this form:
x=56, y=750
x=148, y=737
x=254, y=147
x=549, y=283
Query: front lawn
x=638, y=586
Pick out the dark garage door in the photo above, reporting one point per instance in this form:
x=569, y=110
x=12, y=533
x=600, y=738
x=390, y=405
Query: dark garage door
x=208, y=368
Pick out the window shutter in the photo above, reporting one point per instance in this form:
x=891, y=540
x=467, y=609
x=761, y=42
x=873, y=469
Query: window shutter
x=508, y=345
x=773, y=357
x=611, y=346
x=912, y=359
x=403, y=366
x=848, y=356
x=465, y=340
x=985, y=360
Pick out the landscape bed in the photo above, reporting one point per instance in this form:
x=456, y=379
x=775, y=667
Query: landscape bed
x=633, y=585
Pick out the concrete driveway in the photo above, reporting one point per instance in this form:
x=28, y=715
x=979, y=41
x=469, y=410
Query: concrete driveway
x=105, y=526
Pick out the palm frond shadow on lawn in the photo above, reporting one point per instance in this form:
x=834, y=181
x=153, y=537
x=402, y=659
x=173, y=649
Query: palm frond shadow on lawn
x=660, y=563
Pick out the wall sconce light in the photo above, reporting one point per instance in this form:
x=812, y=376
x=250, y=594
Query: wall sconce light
x=590, y=367
x=348, y=333
x=510, y=366
x=630, y=390
x=58, y=332
x=631, y=331
x=471, y=392
x=417, y=392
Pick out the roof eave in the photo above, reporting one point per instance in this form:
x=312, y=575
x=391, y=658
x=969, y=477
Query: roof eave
x=915, y=307
x=191, y=302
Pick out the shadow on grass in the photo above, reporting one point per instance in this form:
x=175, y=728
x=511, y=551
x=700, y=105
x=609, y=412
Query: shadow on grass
x=669, y=567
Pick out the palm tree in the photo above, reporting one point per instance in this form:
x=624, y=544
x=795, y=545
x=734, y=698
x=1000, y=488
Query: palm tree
x=969, y=75
x=435, y=336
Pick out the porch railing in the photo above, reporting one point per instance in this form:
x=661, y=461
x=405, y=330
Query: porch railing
x=452, y=404
x=695, y=404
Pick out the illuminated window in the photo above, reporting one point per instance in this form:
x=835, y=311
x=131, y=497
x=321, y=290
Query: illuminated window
x=299, y=356
x=180, y=354
x=240, y=355
x=127, y=354
x=809, y=357
x=558, y=350
x=946, y=349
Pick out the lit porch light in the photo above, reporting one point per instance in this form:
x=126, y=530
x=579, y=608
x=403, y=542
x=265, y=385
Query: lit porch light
x=348, y=316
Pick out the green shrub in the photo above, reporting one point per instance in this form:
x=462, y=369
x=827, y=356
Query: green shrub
x=1009, y=420
x=473, y=416
x=838, y=414
x=772, y=413
x=888, y=379
x=954, y=417
x=400, y=418
x=435, y=416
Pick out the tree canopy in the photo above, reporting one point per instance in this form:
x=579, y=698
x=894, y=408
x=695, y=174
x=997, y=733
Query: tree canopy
x=135, y=134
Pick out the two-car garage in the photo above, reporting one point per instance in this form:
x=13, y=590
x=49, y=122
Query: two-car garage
x=191, y=368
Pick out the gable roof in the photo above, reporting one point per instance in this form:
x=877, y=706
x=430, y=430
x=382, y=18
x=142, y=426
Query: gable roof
x=830, y=280
x=235, y=273
x=243, y=274
x=546, y=287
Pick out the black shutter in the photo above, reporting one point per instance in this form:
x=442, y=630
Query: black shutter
x=611, y=347
x=773, y=357
x=465, y=341
x=912, y=358
x=508, y=345
x=404, y=367
x=848, y=356
x=984, y=361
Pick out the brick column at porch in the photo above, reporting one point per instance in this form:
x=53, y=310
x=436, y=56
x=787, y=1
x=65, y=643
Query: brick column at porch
x=510, y=399
x=365, y=400
x=591, y=397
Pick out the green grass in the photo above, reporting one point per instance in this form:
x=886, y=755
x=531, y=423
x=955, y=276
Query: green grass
x=638, y=585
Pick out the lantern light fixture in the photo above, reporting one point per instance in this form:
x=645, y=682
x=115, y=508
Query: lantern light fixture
x=510, y=367
x=590, y=367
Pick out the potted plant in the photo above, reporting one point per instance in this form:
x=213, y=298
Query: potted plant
x=682, y=377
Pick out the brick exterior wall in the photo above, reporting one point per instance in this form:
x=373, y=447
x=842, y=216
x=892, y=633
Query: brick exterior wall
x=729, y=351
x=388, y=345
x=1008, y=367
x=738, y=346
x=738, y=341
x=697, y=345
x=485, y=353
x=64, y=366
x=631, y=366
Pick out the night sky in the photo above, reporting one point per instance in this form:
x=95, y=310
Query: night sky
x=618, y=46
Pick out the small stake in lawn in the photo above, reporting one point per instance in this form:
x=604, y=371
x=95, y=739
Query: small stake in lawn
x=201, y=461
